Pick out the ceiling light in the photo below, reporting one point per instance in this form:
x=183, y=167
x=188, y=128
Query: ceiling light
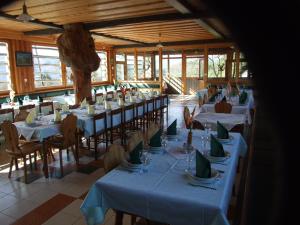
x=24, y=16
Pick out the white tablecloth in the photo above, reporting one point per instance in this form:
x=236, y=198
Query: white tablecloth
x=228, y=120
x=163, y=193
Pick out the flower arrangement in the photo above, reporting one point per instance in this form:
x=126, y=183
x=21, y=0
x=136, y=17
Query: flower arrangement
x=123, y=90
x=189, y=118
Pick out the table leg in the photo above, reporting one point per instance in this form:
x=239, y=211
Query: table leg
x=119, y=217
x=45, y=166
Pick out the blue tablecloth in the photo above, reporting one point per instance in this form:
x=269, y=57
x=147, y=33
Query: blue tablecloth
x=163, y=193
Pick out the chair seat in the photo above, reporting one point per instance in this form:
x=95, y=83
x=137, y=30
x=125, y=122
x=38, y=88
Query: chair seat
x=25, y=149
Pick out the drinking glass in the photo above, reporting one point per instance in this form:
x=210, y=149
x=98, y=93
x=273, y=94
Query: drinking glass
x=164, y=140
x=188, y=149
x=144, y=157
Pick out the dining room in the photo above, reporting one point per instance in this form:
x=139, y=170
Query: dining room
x=127, y=112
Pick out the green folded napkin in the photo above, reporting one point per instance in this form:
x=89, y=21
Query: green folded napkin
x=172, y=130
x=155, y=141
x=203, y=168
x=216, y=148
x=243, y=97
x=135, y=154
x=222, y=132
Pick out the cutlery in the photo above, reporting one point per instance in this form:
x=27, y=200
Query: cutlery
x=203, y=186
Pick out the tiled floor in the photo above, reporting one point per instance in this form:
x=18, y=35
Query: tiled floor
x=56, y=201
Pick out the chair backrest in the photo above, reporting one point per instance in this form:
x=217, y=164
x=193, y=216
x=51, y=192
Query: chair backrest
x=211, y=91
x=69, y=129
x=152, y=130
x=140, y=109
x=223, y=107
x=239, y=128
x=128, y=113
x=21, y=116
x=197, y=125
x=150, y=105
x=76, y=106
x=26, y=107
x=186, y=115
x=116, y=117
x=46, y=108
x=157, y=102
x=113, y=157
x=11, y=136
x=134, y=139
x=4, y=114
x=97, y=118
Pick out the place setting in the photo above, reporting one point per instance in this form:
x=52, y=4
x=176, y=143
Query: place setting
x=203, y=175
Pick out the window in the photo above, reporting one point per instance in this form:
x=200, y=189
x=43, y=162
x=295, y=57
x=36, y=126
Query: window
x=156, y=66
x=120, y=66
x=243, y=67
x=172, y=65
x=4, y=67
x=69, y=76
x=195, y=66
x=101, y=74
x=47, y=66
x=130, y=67
x=216, y=65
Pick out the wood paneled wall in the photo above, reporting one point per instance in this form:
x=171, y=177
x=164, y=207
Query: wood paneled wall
x=22, y=76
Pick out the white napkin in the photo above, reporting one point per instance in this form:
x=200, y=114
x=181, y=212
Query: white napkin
x=100, y=100
x=57, y=116
x=131, y=99
x=107, y=105
x=83, y=103
x=65, y=107
x=120, y=102
x=91, y=110
x=30, y=117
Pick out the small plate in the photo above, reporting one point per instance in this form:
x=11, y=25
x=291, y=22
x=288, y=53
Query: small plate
x=214, y=174
x=213, y=159
x=224, y=140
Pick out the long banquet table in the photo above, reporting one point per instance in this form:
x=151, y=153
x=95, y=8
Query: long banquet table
x=163, y=193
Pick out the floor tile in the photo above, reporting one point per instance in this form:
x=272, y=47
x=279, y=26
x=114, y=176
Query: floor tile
x=6, y=220
x=74, y=208
x=61, y=219
x=42, y=196
x=19, y=209
x=7, y=201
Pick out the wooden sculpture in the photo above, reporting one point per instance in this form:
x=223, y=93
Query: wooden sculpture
x=77, y=50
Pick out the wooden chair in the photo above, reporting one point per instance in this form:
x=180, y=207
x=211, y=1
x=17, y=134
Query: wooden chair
x=156, y=109
x=223, y=107
x=26, y=107
x=17, y=150
x=67, y=139
x=116, y=128
x=140, y=115
x=211, y=91
x=76, y=106
x=44, y=107
x=239, y=128
x=149, y=108
x=197, y=125
x=129, y=118
x=21, y=116
x=99, y=136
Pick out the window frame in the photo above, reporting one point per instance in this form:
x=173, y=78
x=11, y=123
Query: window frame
x=7, y=42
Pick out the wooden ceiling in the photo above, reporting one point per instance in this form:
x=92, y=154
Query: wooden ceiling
x=141, y=30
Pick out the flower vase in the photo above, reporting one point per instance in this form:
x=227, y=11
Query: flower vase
x=190, y=138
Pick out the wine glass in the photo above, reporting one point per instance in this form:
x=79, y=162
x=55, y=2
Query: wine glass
x=144, y=157
x=164, y=140
x=188, y=150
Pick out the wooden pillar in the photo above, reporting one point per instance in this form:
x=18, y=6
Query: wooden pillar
x=160, y=70
x=184, y=86
x=205, y=77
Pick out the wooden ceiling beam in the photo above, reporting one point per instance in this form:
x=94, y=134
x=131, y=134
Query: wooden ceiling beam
x=118, y=38
x=178, y=43
x=143, y=19
x=35, y=22
x=186, y=8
